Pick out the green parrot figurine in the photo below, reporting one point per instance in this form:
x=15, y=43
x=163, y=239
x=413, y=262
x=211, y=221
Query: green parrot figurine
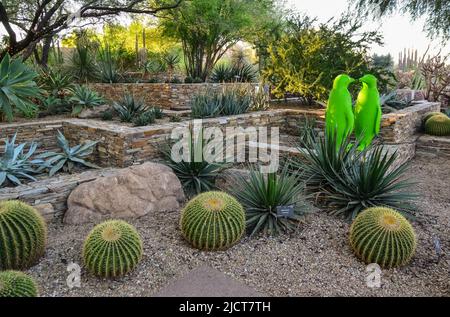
x=367, y=112
x=339, y=116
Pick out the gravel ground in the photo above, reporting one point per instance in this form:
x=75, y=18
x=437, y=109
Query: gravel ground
x=315, y=261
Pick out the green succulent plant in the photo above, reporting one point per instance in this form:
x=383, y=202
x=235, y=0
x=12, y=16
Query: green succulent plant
x=15, y=164
x=261, y=194
x=129, y=108
x=113, y=248
x=222, y=73
x=17, y=284
x=144, y=119
x=382, y=235
x=17, y=87
x=83, y=98
x=438, y=125
x=158, y=112
x=196, y=174
x=23, y=234
x=57, y=83
x=69, y=157
x=108, y=66
x=431, y=114
x=213, y=221
x=235, y=101
x=206, y=105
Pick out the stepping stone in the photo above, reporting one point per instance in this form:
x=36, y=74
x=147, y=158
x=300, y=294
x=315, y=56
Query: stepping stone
x=206, y=282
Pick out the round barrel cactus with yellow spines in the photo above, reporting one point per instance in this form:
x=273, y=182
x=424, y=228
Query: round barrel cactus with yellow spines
x=438, y=125
x=17, y=284
x=113, y=248
x=431, y=114
x=213, y=221
x=23, y=235
x=384, y=236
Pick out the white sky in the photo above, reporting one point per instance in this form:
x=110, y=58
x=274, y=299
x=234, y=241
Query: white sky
x=398, y=30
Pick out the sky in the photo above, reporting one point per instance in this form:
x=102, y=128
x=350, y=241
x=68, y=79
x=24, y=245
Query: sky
x=398, y=30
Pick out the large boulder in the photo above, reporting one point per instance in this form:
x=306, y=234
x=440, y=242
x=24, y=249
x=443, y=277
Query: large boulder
x=130, y=193
x=94, y=113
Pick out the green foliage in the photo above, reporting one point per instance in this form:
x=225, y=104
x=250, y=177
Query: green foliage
x=144, y=119
x=438, y=125
x=382, y=235
x=347, y=181
x=227, y=102
x=82, y=65
x=55, y=82
x=213, y=221
x=15, y=164
x=108, y=66
x=83, y=97
x=431, y=114
x=261, y=194
x=158, y=112
x=23, y=234
x=17, y=87
x=107, y=115
x=113, y=248
x=17, y=284
x=129, y=108
x=195, y=173
x=224, y=73
x=53, y=106
x=69, y=157
x=306, y=58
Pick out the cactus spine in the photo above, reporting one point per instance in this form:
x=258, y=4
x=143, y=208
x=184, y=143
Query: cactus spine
x=382, y=235
x=213, y=221
x=113, y=248
x=17, y=284
x=23, y=234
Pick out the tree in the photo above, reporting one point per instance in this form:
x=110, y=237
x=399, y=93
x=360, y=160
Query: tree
x=437, y=13
x=208, y=28
x=306, y=58
x=40, y=20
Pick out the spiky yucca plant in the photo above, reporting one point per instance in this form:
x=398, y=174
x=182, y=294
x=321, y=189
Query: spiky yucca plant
x=17, y=284
x=113, y=248
x=261, y=194
x=23, y=234
x=213, y=221
x=438, y=125
x=382, y=235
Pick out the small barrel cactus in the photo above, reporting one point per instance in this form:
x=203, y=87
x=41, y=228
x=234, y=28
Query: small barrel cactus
x=438, y=125
x=213, y=221
x=382, y=235
x=113, y=248
x=23, y=234
x=17, y=284
x=430, y=115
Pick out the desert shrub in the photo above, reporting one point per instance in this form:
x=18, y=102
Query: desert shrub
x=261, y=194
x=23, y=235
x=213, y=221
x=82, y=98
x=113, y=248
x=382, y=235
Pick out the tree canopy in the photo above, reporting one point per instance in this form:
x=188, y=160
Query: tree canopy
x=436, y=12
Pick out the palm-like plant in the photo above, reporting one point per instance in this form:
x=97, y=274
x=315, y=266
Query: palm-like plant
x=196, y=174
x=261, y=194
x=69, y=157
x=82, y=64
x=17, y=87
x=222, y=73
x=171, y=60
x=83, y=98
x=129, y=108
x=15, y=164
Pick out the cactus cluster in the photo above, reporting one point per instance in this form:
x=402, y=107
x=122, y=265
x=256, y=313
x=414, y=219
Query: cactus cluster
x=382, y=235
x=23, y=235
x=17, y=284
x=113, y=248
x=438, y=125
x=213, y=221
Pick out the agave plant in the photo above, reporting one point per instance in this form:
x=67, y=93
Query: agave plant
x=206, y=105
x=15, y=164
x=222, y=73
x=108, y=66
x=144, y=119
x=53, y=105
x=262, y=194
x=235, y=101
x=129, y=108
x=244, y=73
x=69, y=157
x=196, y=174
x=83, y=98
x=371, y=181
x=16, y=87
x=82, y=64
x=56, y=83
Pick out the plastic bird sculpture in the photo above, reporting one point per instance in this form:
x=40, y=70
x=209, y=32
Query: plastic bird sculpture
x=367, y=112
x=339, y=115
